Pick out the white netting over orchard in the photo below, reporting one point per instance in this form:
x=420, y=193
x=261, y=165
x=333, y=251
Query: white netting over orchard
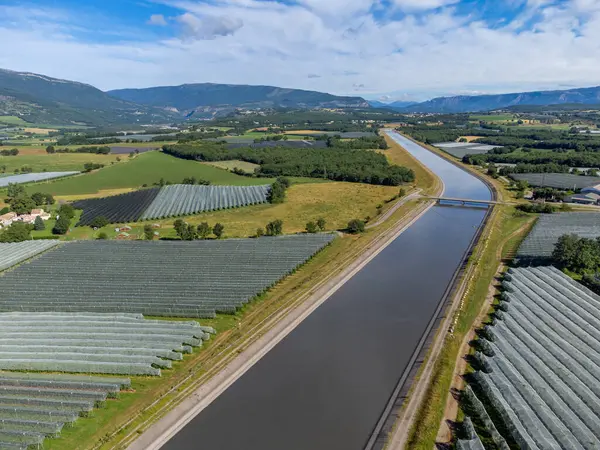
x=36, y=406
x=120, y=344
x=540, y=370
x=14, y=253
x=165, y=278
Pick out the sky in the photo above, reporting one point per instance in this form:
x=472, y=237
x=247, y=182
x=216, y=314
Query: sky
x=378, y=49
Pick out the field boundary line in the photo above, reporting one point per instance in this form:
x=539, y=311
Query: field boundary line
x=159, y=433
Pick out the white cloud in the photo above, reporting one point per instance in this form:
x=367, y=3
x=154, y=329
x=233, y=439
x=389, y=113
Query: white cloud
x=208, y=27
x=415, y=5
x=261, y=42
x=157, y=19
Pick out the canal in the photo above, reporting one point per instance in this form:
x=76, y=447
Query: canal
x=327, y=383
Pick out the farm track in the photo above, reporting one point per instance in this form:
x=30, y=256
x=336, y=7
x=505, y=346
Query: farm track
x=452, y=405
x=267, y=332
x=412, y=195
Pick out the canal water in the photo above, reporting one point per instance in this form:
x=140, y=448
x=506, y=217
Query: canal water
x=327, y=383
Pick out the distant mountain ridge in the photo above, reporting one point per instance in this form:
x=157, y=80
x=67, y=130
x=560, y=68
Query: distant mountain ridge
x=396, y=106
x=189, y=99
x=41, y=99
x=475, y=103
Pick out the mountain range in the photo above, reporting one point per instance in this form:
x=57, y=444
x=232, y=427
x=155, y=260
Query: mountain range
x=41, y=99
x=475, y=103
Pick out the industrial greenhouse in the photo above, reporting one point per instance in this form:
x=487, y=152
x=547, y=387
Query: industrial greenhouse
x=164, y=278
x=540, y=364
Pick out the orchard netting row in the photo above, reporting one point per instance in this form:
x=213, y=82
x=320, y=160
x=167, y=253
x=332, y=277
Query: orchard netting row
x=118, y=208
x=33, y=177
x=539, y=244
x=116, y=344
x=169, y=201
x=160, y=278
x=14, y=253
x=539, y=363
x=34, y=407
x=182, y=199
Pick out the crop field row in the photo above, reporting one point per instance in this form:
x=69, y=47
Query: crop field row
x=92, y=343
x=557, y=180
x=14, y=253
x=34, y=407
x=118, y=208
x=539, y=364
x=33, y=177
x=164, y=278
x=540, y=243
x=169, y=201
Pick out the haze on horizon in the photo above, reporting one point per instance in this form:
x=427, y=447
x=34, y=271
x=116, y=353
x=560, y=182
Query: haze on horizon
x=377, y=49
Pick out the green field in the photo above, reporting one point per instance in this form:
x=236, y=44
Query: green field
x=58, y=162
x=147, y=168
x=493, y=117
x=13, y=120
x=235, y=163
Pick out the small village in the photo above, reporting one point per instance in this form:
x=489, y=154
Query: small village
x=9, y=218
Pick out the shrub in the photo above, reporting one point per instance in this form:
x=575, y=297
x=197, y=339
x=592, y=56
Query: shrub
x=148, y=232
x=218, y=230
x=321, y=223
x=260, y=232
x=356, y=226
x=311, y=227
x=103, y=235
x=274, y=228
x=204, y=230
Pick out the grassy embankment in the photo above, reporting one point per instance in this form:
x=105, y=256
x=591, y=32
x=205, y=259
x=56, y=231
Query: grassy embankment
x=152, y=397
x=485, y=261
x=234, y=164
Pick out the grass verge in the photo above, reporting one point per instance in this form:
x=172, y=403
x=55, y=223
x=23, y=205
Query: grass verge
x=484, y=263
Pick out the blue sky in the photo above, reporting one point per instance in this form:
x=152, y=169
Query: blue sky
x=379, y=49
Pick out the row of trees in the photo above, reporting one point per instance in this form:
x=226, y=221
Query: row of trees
x=331, y=163
x=11, y=152
x=94, y=149
x=528, y=160
x=278, y=190
x=189, y=232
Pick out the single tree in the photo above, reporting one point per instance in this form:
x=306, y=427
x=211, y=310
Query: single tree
x=99, y=222
x=401, y=193
x=67, y=211
x=148, y=232
x=15, y=190
x=38, y=224
x=50, y=149
x=321, y=223
x=62, y=225
x=356, y=226
x=179, y=225
x=38, y=198
x=218, y=230
x=311, y=227
x=260, y=232
x=204, y=230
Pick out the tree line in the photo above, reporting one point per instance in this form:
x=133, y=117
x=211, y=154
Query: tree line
x=330, y=163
